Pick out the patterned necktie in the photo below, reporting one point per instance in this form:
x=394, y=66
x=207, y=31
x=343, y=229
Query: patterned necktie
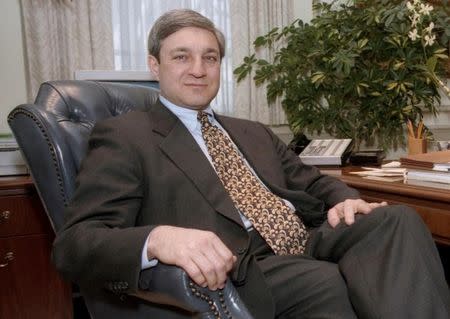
x=278, y=224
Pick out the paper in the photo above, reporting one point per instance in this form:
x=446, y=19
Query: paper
x=378, y=173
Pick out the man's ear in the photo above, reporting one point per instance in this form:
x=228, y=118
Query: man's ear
x=153, y=65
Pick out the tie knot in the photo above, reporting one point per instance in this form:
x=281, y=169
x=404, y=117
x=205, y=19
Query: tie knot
x=203, y=118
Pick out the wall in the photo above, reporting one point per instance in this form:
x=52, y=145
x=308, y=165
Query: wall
x=12, y=75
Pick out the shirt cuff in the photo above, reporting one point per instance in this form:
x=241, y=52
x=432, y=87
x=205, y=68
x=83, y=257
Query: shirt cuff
x=145, y=263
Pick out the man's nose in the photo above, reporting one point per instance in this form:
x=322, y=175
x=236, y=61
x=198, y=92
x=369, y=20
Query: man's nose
x=198, y=67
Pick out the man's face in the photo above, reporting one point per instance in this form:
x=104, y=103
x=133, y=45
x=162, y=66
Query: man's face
x=189, y=67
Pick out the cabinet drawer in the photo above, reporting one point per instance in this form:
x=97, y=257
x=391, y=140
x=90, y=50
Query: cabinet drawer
x=22, y=215
x=30, y=286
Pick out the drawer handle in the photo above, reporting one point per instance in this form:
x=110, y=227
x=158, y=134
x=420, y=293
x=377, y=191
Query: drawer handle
x=9, y=256
x=5, y=215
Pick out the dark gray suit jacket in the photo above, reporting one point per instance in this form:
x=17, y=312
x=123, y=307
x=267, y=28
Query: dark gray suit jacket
x=144, y=169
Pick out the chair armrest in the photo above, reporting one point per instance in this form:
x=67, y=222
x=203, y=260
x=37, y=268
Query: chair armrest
x=165, y=284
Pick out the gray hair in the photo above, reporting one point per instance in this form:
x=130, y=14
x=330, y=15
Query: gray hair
x=174, y=20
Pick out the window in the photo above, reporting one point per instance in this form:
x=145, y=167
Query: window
x=132, y=19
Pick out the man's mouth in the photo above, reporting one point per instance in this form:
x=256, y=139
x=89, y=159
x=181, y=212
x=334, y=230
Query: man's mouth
x=196, y=84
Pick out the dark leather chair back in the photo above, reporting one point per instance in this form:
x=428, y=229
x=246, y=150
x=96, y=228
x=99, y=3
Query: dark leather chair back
x=53, y=132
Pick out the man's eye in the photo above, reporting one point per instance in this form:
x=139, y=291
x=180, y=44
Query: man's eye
x=180, y=57
x=211, y=58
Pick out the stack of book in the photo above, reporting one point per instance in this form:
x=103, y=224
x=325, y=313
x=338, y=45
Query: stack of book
x=428, y=169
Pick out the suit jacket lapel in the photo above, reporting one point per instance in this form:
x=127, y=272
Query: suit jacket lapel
x=179, y=145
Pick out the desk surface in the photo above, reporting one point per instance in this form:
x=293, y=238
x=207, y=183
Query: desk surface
x=433, y=204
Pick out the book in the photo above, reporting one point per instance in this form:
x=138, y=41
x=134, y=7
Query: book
x=428, y=175
x=443, y=167
x=331, y=152
x=420, y=183
x=389, y=179
x=432, y=160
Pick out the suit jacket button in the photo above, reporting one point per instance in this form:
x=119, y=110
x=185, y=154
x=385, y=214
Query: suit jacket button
x=241, y=250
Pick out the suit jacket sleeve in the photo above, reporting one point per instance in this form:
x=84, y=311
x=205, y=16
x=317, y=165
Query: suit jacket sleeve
x=99, y=244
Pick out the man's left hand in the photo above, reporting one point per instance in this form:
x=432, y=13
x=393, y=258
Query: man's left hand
x=347, y=210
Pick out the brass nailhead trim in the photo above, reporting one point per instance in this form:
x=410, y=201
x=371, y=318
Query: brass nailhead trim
x=50, y=146
x=211, y=304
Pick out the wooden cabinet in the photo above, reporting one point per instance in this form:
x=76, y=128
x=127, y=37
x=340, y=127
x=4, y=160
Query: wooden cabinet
x=30, y=287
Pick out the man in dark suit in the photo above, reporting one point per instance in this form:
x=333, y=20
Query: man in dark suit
x=151, y=190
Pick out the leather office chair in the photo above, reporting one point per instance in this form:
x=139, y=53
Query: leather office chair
x=53, y=133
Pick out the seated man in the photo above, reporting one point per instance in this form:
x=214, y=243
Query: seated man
x=224, y=199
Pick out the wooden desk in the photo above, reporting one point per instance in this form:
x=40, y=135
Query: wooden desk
x=29, y=284
x=433, y=204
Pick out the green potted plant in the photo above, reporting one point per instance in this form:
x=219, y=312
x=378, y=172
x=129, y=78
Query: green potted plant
x=359, y=70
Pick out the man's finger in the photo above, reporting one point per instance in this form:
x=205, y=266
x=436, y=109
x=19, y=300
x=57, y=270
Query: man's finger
x=333, y=217
x=350, y=210
x=207, y=269
x=195, y=273
x=225, y=254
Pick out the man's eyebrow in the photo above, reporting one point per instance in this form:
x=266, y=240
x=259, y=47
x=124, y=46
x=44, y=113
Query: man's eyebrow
x=178, y=49
x=185, y=49
x=212, y=50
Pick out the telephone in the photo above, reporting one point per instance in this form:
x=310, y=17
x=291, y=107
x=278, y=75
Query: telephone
x=327, y=152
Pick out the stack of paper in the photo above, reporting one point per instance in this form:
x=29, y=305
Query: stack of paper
x=11, y=160
x=385, y=174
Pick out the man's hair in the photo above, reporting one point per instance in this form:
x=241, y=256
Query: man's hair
x=174, y=20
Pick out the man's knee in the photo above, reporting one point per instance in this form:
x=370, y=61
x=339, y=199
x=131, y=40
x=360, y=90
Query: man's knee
x=316, y=289
x=331, y=279
x=402, y=214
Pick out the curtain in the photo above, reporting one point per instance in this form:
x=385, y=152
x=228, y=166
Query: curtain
x=250, y=19
x=62, y=36
x=132, y=19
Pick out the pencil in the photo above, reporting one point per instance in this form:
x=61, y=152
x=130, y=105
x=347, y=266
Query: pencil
x=410, y=128
x=420, y=129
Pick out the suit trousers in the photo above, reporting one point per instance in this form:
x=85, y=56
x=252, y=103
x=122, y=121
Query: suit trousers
x=384, y=266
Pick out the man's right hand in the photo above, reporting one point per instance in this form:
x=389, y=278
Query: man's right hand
x=200, y=253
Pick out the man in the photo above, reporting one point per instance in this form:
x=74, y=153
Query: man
x=154, y=188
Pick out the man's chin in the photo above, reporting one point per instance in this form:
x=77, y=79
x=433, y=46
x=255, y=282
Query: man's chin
x=197, y=104
x=197, y=107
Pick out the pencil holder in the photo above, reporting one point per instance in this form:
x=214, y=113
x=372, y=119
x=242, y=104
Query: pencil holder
x=417, y=145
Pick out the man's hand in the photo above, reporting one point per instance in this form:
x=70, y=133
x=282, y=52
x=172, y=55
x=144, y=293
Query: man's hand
x=348, y=209
x=200, y=253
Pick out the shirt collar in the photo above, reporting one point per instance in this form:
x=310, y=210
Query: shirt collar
x=186, y=115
